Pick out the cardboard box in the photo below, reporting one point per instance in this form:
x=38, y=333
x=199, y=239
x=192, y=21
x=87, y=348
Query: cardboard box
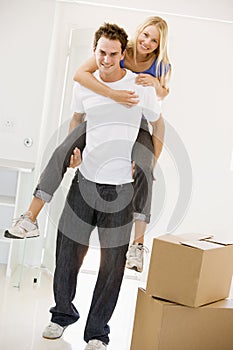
x=162, y=325
x=190, y=269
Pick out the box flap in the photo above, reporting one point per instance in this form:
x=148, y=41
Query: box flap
x=168, y=238
x=219, y=240
x=221, y=304
x=194, y=236
x=203, y=245
x=173, y=238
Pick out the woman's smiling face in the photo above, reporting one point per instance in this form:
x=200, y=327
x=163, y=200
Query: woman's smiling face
x=148, y=40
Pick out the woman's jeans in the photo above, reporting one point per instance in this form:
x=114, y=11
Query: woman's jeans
x=89, y=205
x=142, y=155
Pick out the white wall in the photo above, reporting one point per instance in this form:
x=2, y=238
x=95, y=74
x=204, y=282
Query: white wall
x=26, y=28
x=200, y=108
x=25, y=36
x=221, y=10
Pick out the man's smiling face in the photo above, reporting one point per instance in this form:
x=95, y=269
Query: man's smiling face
x=108, y=55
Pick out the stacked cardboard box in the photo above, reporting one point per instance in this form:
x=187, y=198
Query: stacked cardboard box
x=184, y=306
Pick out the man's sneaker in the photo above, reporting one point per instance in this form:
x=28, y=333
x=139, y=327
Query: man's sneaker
x=134, y=257
x=95, y=344
x=53, y=331
x=23, y=227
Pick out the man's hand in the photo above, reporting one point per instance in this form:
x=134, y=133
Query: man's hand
x=158, y=137
x=75, y=158
x=133, y=168
x=76, y=120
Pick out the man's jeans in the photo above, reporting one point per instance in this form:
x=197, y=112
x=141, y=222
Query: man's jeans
x=88, y=205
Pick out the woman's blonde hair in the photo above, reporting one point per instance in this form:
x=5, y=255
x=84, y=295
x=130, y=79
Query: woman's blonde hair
x=161, y=51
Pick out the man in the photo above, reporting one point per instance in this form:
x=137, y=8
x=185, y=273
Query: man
x=101, y=192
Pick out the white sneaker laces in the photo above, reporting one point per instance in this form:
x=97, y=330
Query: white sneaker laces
x=23, y=217
x=140, y=249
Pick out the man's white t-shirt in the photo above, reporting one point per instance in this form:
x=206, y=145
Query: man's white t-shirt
x=112, y=129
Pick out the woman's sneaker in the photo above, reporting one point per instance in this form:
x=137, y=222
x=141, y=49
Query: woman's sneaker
x=135, y=257
x=53, y=331
x=23, y=227
x=95, y=344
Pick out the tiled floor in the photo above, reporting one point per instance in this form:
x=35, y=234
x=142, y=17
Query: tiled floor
x=24, y=313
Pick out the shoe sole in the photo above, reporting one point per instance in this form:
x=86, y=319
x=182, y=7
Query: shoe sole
x=47, y=337
x=133, y=267
x=44, y=336
x=7, y=234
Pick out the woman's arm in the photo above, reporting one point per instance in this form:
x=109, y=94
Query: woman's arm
x=84, y=76
x=159, y=84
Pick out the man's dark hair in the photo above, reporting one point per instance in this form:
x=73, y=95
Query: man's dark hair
x=111, y=32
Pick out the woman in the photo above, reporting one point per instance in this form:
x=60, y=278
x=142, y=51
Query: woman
x=146, y=53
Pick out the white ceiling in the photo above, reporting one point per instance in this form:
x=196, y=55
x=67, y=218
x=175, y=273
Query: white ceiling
x=215, y=9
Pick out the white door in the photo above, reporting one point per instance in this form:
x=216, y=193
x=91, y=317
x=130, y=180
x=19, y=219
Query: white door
x=79, y=49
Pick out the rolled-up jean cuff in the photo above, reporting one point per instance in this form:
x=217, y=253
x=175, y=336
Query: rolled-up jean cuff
x=44, y=196
x=142, y=217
